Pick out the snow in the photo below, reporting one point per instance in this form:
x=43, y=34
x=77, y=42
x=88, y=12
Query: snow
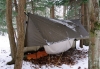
x=5, y=51
x=66, y=24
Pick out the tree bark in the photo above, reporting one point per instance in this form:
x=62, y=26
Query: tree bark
x=94, y=48
x=10, y=30
x=64, y=11
x=52, y=13
x=85, y=23
x=16, y=7
x=32, y=6
x=82, y=21
x=21, y=34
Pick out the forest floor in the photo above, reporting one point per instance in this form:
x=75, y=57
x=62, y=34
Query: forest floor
x=71, y=59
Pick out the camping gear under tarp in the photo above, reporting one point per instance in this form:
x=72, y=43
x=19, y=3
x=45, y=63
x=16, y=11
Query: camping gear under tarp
x=42, y=31
x=36, y=55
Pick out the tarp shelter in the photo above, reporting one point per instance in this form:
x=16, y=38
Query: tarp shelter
x=42, y=31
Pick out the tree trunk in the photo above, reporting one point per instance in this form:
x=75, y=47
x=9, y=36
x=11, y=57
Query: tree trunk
x=84, y=22
x=64, y=11
x=10, y=30
x=94, y=48
x=21, y=34
x=32, y=6
x=52, y=14
x=16, y=7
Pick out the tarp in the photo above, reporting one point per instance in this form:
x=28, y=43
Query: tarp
x=42, y=31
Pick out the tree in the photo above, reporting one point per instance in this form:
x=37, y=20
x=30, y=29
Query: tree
x=84, y=21
x=64, y=11
x=10, y=30
x=52, y=13
x=21, y=34
x=84, y=15
x=94, y=47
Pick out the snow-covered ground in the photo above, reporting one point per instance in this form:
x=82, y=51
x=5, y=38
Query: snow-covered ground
x=5, y=51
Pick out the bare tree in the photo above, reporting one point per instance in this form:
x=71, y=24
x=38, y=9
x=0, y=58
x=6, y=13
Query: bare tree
x=10, y=30
x=21, y=34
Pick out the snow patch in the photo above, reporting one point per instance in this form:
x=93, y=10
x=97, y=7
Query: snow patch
x=66, y=23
